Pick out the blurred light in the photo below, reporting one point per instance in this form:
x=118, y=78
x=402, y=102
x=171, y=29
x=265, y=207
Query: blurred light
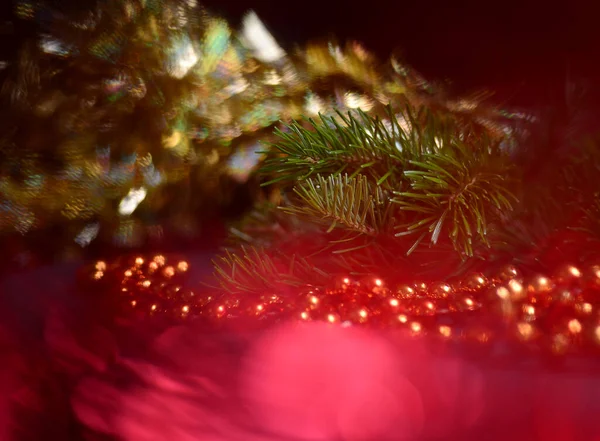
x=260, y=40
x=356, y=101
x=238, y=86
x=516, y=287
x=272, y=78
x=525, y=330
x=574, y=326
x=446, y=331
x=503, y=293
x=182, y=58
x=241, y=164
x=314, y=104
x=87, y=235
x=574, y=271
x=415, y=327
x=54, y=47
x=131, y=201
x=169, y=271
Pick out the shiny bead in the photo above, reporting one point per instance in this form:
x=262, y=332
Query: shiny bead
x=169, y=271
x=529, y=312
x=375, y=285
x=406, y=292
x=416, y=328
x=507, y=273
x=332, y=318
x=445, y=331
x=574, y=326
x=402, y=318
x=539, y=284
x=584, y=308
x=362, y=315
x=441, y=290
x=469, y=302
x=421, y=288
x=474, y=282
x=525, y=331
x=568, y=274
x=516, y=289
x=423, y=307
x=160, y=260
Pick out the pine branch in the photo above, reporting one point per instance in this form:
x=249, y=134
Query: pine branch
x=342, y=202
x=460, y=186
x=253, y=270
x=349, y=144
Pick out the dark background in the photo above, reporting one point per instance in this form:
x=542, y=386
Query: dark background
x=526, y=50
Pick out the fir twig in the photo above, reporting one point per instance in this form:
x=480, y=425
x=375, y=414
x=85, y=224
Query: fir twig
x=342, y=201
x=463, y=187
x=352, y=144
x=252, y=270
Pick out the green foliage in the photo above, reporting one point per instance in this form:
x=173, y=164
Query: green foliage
x=342, y=201
x=415, y=172
x=459, y=186
x=253, y=270
x=347, y=144
x=421, y=191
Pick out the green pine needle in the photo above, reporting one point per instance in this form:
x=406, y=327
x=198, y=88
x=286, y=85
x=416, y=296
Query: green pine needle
x=252, y=270
x=459, y=187
x=341, y=202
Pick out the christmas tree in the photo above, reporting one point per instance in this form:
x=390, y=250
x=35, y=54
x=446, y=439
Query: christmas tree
x=140, y=117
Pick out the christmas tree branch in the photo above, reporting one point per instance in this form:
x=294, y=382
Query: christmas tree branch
x=354, y=143
x=342, y=201
x=253, y=270
x=459, y=186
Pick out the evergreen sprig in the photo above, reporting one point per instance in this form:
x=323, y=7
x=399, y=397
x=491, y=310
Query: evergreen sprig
x=368, y=182
x=342, y=201
x=356, y=143
x=457, y=186
x=416, y=171
x=253, y=270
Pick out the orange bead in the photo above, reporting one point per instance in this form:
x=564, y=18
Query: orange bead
x=539, y=284
x=474, y=282
x=441, y=290
x=406, y=292
x=507, y=273
x=568, y=274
